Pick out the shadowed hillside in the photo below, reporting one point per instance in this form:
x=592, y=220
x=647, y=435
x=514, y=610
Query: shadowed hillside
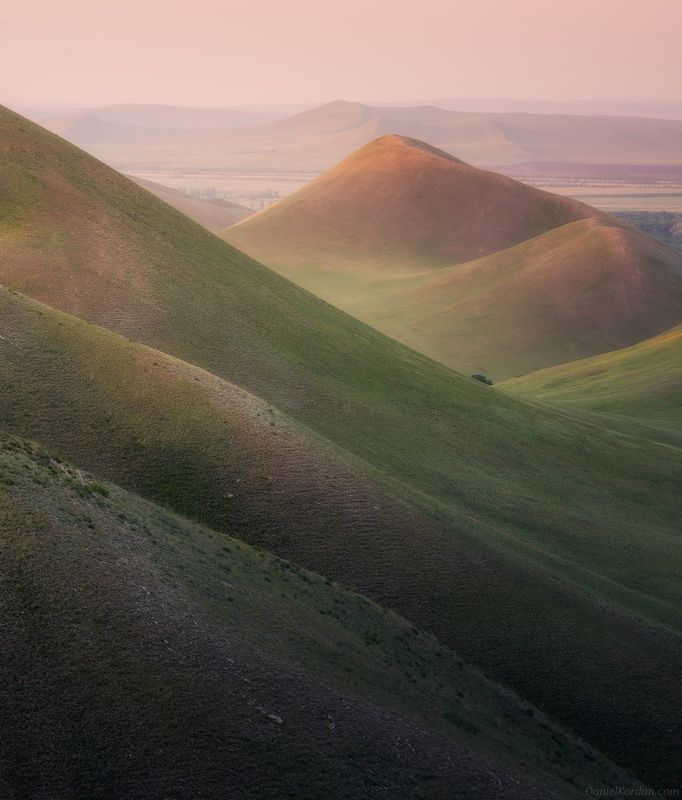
x=210, y=450
x=426, y=496
x=188, y=663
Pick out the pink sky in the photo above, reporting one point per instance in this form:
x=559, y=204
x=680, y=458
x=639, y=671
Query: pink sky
x=213, y=52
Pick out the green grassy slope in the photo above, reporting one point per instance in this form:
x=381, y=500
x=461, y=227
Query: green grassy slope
x=496, y=499
x=643, y=381
x=144, y=655
x=493, y=527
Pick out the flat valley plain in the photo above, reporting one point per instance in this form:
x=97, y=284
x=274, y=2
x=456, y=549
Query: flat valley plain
x=257, y=190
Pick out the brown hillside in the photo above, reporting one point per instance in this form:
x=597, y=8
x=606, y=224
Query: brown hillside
x=398, y=199
x=585, y=288
x=472, y=268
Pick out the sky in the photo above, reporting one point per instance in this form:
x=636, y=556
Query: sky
x=225, y=53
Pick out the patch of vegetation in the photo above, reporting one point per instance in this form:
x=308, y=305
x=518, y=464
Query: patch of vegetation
x=663, y=225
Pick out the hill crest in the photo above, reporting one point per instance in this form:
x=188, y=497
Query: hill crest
x=584, y=288
x=398, y=200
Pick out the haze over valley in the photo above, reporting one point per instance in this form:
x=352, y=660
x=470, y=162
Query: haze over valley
x=255, y=158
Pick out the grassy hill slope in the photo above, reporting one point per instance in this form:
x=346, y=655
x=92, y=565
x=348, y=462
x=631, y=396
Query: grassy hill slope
x=547, y=280
x=144, y=655
x=643, y=381
x=212, y=451
x=496, y=499
x=581, y=289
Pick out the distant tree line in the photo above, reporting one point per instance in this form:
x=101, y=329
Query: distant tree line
x=663, y=225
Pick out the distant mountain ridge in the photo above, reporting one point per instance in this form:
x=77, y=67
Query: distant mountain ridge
x=313, y=140
x=151, y=115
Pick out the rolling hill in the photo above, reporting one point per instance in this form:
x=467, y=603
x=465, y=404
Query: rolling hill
x=399, y=478
x=206, y=448
x=548, y=279
x=613, y=108
x=583, y=288
x=191, y=663
x=315, y=139
x=214, y=214
x=398, y=202
x=643, y=381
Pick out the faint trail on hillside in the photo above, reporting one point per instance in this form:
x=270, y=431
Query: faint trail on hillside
x=563, y=411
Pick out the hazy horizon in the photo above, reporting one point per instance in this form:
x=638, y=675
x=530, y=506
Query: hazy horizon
x=75, y=53
x=292, y=106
